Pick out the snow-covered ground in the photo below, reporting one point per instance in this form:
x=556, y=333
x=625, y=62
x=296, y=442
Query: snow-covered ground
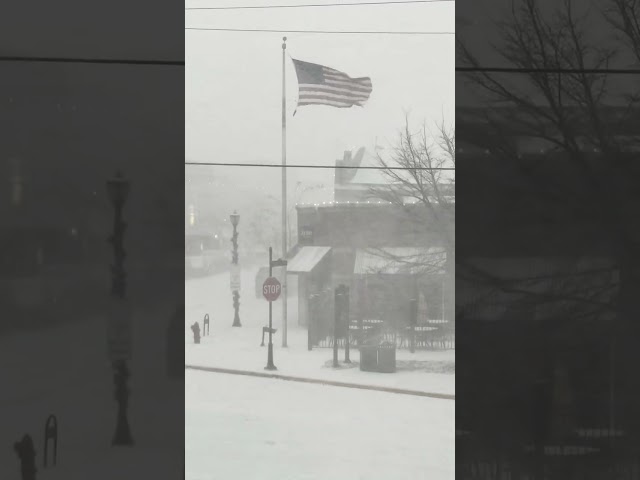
x=239, y=348
x=285, y=428
x=74, y=382
x=264, y=429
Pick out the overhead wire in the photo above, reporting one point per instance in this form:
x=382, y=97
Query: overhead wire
x=335, y=32
x=107, y=61
x=319, y=5
x=330, y=167
x=603, y=71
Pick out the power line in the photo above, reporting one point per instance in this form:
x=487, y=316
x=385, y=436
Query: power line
x=613, y=71
x=108, y=61
x=330, y=167
x=316, y=31
x=313, y=5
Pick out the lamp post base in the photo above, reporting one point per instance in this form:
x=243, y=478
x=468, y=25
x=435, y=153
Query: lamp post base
x=270, y=365
x=122, y=442
x=122, y=437
x=236, y=308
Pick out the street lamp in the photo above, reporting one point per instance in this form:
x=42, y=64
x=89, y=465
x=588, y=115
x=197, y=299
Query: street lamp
x=118, y=190
x=235, y=219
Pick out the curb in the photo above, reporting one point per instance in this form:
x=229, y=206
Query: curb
x=441, y=396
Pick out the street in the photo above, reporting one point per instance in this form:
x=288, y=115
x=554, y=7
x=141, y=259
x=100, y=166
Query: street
x=254, y=428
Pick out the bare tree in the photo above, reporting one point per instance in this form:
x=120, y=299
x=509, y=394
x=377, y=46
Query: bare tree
x=421, y=183
x=624, y=16
x=563, y=99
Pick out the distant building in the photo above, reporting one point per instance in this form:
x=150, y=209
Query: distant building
x=531, y=226
x=360, y=177
x=42, y=238
x=357, y=184
x=383, y=252
x=201, y=198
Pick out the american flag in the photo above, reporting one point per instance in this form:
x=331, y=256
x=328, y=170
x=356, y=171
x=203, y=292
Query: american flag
x=320, y=85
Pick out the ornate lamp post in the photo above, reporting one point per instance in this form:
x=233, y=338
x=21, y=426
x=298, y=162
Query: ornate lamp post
x=235, y=219
x=118, y=190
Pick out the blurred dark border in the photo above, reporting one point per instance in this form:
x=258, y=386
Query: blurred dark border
x=547, y=278
x=87, y=91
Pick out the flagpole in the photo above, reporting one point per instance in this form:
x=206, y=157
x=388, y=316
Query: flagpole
x=284, y=197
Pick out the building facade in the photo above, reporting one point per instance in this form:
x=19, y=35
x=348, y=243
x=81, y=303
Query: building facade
x=388, y=255
x=541, y=279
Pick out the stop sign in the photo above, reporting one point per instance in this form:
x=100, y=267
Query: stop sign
x=271, y=289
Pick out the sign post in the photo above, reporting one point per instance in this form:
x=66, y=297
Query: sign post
x=271, y=290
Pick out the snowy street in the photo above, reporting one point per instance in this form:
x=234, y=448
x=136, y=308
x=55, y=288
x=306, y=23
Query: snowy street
x=253, y=428
x=76, y=385
x=265, y=428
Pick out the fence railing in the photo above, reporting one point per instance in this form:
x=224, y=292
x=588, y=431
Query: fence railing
x=422, y=337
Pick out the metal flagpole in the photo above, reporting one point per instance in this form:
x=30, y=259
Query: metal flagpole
x=284, y=197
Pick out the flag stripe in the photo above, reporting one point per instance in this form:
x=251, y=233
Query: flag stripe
x=339, y=98
x=333, y=98
x=322, y=100
x=320, y=85
x=305, y=89
x=349, y=86
x=326, y=102
x=344, y=78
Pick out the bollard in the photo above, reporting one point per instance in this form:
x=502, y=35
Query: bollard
x=27, y=455
x=312, y=308
x=345, y=314
x=51, y=433
x=205, y=325
x=413, y=319
x=338, y=310
x=195, y=328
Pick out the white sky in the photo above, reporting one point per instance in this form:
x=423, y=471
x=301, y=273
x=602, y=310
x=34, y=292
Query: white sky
x=234, y=81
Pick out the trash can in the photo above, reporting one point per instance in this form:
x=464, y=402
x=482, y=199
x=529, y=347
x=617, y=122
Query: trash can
x=369, y=358
x=387, y=358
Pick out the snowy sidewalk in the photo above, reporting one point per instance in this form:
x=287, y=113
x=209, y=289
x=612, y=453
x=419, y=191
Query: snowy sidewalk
x=239, y=348
x=75, y=383
x=234, y=349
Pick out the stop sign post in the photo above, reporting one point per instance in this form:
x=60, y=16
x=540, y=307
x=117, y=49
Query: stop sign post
x=271, y=289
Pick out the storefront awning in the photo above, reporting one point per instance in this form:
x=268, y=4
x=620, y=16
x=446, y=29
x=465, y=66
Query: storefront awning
x=400, y=261
x=306, y=259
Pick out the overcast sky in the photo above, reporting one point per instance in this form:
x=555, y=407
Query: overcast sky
x=234, y=82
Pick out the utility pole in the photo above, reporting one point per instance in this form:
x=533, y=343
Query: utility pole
x=284, y=196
